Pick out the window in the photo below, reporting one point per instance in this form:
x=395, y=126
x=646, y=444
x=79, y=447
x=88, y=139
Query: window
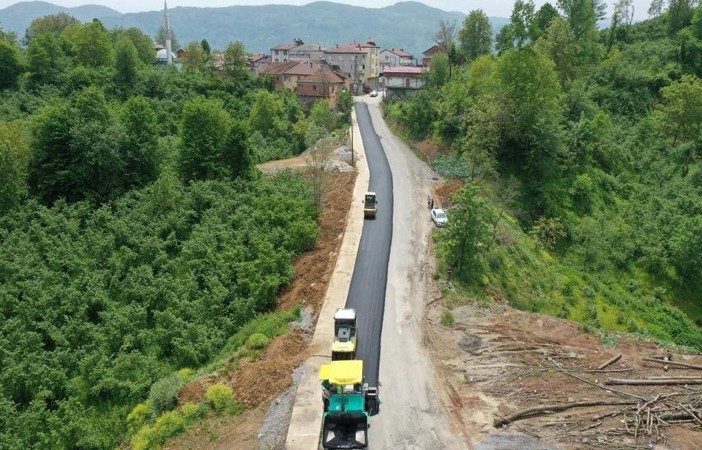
x=314, y=87
x=276, y=53
x=287, y=78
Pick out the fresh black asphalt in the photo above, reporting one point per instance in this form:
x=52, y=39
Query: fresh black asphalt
x=370, y=275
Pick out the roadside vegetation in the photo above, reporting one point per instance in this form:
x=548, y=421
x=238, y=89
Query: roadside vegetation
x=579, y=151
x=140, y=247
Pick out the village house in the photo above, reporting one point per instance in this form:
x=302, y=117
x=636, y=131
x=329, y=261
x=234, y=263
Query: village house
x=360, y=61
x=402, y=81
x=258, y=62
x=324, y=84
x=429, y=55
x=281, y=53
x=396, y=57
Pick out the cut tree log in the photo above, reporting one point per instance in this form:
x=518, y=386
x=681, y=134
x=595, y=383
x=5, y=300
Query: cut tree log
x=666, y=381
x=672, y=363
x=609, y=361
x=550, y=409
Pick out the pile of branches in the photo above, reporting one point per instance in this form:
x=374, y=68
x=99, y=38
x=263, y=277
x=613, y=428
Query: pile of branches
x=642, y=416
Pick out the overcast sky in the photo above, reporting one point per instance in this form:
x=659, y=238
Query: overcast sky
x=499, y=8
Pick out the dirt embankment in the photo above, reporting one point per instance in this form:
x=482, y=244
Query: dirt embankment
x=516, y=372
x=257, y=383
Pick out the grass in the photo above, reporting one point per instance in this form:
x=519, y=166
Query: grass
x=160, y=418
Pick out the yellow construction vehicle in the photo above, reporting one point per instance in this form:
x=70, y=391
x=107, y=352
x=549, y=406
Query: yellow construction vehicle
x=370, y=205
x=345, y=336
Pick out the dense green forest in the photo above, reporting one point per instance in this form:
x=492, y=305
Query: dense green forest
x=580, y=150
x=137, y=237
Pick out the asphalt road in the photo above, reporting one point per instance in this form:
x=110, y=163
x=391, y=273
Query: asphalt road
x=368, y=283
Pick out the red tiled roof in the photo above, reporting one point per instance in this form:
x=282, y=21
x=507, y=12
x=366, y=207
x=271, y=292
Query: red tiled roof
x=403, y=70
x=400, y=52
x=431, y=50
x=304, y=69
x=325, y=76
x=258, y=58
x=279, y=68
x=284, y=47
x=351, y=48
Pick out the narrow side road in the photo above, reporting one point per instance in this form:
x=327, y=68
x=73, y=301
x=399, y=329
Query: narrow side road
x=415, y=412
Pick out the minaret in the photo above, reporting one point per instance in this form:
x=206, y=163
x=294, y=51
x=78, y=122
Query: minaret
x=169, y=54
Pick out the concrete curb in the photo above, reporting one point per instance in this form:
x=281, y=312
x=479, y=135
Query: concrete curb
x=306, y=420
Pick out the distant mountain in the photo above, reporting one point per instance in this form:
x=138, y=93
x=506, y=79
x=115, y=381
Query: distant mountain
x=18, y=16
x=408, y=25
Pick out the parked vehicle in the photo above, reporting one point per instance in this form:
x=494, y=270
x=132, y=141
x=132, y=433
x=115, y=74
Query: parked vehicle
x=438, y=216
x=373, y=93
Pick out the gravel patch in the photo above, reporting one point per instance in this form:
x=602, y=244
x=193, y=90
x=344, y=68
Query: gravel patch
x=274, y=429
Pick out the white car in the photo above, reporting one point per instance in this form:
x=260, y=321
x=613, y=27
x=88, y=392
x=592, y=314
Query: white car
x=438, y=216
x=373, y=93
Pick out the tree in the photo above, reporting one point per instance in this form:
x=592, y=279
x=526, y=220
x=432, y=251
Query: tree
x=480, y=140
x=445, y=35
x=235, y=60
x=582, y=15
x=467, y=234
x=10, y=37
x=126, y=62
x=92, y=45
x=344, y=103
x=559, y=43
x=680, y=115
x=520, y=21
x=542, y=20
x=505, y=39
x=656, y=8
x=141, y=140
x=268, y=115
x=47, y=61
x=204, y=133
x=322, y=115
x=679, y=14
x=440, y=70
x=237, y=152
x=318, y=167
x=54, y=23
x=14, y=159
x=194, y=57
x=475, y=37
x=10, y=66
x=142, y=42
x=205, y=46
x=51, y=164
x=160, y=38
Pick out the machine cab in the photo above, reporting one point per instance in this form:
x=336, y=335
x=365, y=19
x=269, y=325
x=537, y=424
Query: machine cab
x=344, y=345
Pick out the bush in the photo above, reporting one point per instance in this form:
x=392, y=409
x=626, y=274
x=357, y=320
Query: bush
x=257, y=341
x=221, y=398
x=164, y=393
x=447, y=319
x=140, y=416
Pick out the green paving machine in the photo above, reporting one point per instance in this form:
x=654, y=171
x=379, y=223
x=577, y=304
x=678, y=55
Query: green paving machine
x=348, y=403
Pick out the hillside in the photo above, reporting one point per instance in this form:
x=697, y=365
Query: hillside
x=408, y=25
